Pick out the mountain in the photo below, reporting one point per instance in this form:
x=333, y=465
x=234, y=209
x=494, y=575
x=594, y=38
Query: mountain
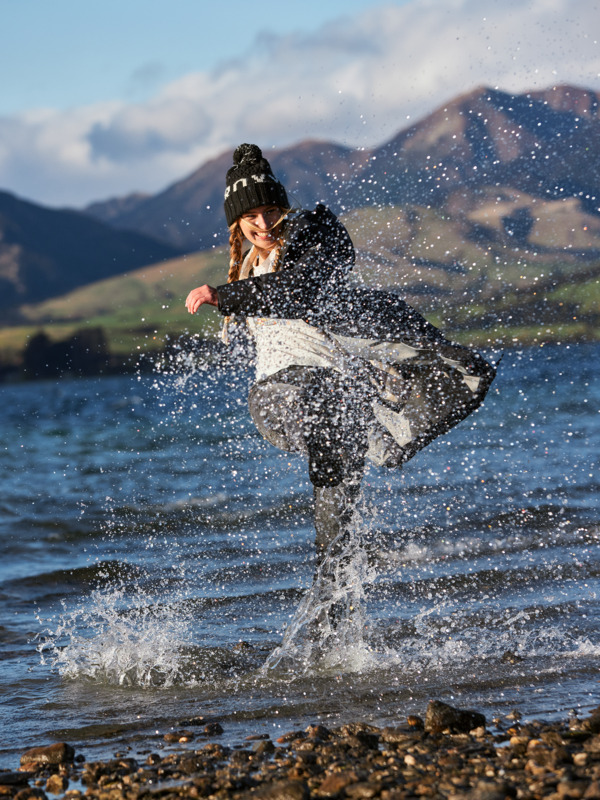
x=189, y=214
x=543, y=143
x=46, y=252
x=489, y=181
x=109, y=210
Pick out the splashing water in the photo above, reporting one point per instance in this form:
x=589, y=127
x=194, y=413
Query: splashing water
x=327, y=631
x=121, y=639
x=481, y=580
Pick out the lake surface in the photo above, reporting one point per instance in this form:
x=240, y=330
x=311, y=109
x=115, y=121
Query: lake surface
x=155, y=550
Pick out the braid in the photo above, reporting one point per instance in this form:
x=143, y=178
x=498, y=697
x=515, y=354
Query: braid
x=280, y=241
x=275, y=263
x=236, y=239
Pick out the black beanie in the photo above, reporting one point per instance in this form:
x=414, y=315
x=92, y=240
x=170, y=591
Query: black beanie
x=251, y=183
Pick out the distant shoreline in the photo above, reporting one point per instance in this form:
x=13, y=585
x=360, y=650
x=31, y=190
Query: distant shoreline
x=145, y=362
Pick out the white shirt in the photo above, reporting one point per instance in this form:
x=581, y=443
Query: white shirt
x=282, y=343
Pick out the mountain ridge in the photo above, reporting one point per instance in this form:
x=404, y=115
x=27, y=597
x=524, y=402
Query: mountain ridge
x=538, y=142
x=494, y=167
x=45, y=252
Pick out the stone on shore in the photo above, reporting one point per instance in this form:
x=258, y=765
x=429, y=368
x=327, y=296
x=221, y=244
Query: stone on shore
x=441, y=717
x=281, y=790
x=58, y=753
x=452, y=757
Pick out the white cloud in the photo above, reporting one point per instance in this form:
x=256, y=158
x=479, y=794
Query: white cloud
x=356, y=81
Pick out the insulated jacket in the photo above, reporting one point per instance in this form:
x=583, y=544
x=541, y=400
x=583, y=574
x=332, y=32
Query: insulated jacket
x=425, y=383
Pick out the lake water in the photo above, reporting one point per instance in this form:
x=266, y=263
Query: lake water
x=155, y=550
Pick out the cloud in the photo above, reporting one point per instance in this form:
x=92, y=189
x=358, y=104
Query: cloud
x=356, y=81
x=142, y=132
x=146, y=77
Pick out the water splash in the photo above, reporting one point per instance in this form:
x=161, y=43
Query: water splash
x=327, y=632
x=119, y=638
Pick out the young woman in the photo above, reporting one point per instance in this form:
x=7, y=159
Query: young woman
x=343, y=373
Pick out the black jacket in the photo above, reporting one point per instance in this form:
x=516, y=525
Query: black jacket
x=311, y=285
x=441, y=382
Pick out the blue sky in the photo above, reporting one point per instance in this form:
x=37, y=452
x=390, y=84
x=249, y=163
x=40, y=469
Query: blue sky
x=72, y=52
x=102, y=98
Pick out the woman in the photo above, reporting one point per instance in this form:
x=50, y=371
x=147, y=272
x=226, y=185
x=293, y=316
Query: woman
x=343, y=373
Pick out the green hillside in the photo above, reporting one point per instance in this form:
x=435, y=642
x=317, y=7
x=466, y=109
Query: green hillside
x=137, y=310
x=462, y=270
x=479, y=282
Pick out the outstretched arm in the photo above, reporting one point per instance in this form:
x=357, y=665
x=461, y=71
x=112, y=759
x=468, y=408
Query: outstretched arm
x=199, y=296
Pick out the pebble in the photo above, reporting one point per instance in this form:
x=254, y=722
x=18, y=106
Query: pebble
x=56, y=784
x=448, y=757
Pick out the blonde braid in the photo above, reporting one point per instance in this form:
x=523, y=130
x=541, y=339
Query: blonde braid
x=236, y=239
x=280, y=240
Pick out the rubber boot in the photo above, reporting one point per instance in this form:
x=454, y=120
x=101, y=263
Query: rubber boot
x=334, y=508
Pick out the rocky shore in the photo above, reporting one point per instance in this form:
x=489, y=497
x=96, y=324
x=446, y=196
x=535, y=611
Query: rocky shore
x=450, y=753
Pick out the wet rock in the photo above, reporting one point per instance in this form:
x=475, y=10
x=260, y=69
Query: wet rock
x=190, y=765
x=592, y=745
x=14, y=778
x=552, y=738
x=306, y=745
x=213, y=729
x=363, y=738
x=280, y=790
x=362, y=789
x=217, y=751
x=56, y=784
x=571, y=789
x=291, y=737
x=179, y=736
x=415, y=722
x=318, y=732
x=265, y=747
x=335, y=783
x=240, y=756
x=532, y=761
x=31, y=793
x=103, y=773
x=194, y=722
x=491, y=790
x=353, y=728
x=398, y=735
x=440, y=717
x=592, y=723
x=593, y=791
x=58, y=753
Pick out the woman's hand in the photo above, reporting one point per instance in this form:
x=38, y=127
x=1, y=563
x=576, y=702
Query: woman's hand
x=197, y=297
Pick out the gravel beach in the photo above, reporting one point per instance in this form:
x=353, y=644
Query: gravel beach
x=447, y=753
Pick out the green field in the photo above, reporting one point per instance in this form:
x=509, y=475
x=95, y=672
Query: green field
x=137, y=311
x=478, y=293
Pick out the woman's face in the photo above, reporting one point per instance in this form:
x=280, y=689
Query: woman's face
x=257, y=226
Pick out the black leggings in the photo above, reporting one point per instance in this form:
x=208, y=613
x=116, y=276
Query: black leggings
x=315, y=411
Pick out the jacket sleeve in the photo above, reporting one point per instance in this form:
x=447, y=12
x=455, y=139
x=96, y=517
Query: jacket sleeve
x=314, y=260
x=296, y=292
